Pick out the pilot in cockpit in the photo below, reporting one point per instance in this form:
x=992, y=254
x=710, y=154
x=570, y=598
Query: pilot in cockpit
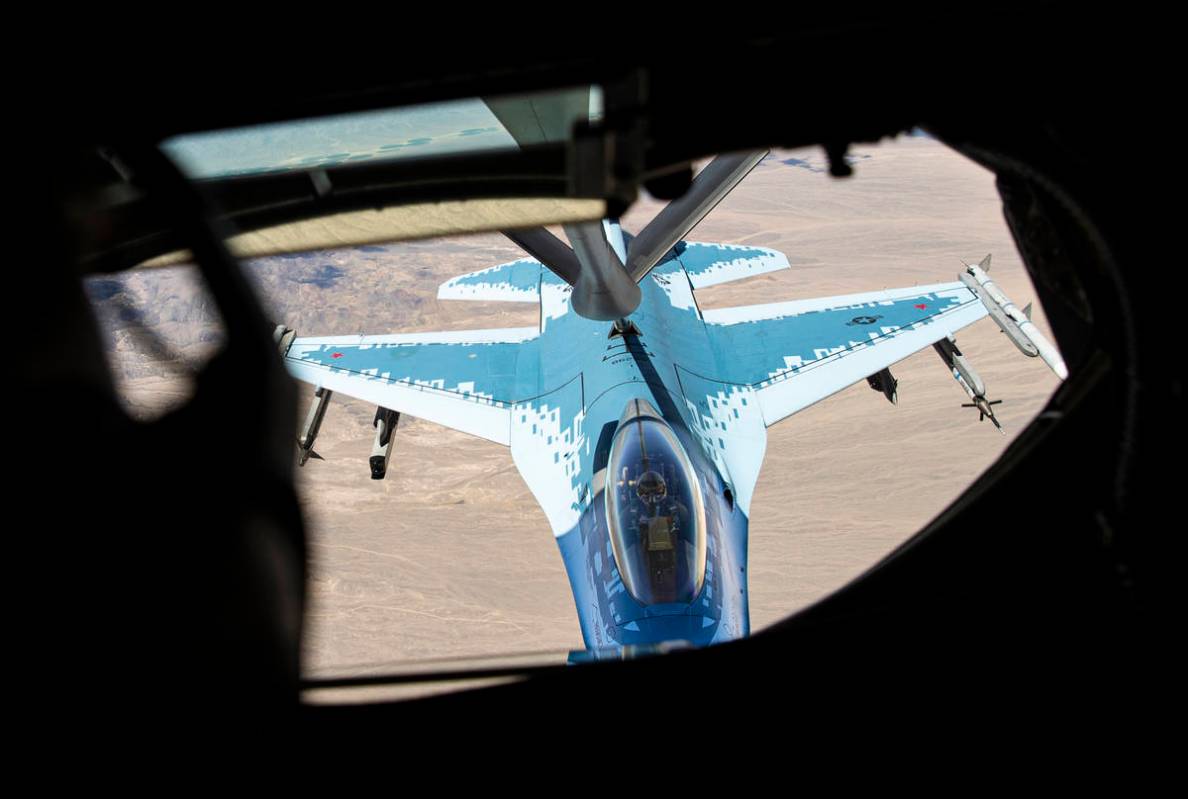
x=661, y=512
x=653, y=512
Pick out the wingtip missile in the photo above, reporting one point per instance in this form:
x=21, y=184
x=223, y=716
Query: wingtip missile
x=283, y=338
x=1015, y=323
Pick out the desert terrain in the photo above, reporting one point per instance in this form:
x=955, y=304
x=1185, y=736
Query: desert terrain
x=450, y=557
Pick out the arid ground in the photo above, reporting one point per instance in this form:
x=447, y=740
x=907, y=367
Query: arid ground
x=450, y=556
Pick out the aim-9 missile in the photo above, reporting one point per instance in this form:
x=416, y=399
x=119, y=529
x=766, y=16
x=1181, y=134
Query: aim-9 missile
x=1015, y=323
x=381, y=451
x=968, y=379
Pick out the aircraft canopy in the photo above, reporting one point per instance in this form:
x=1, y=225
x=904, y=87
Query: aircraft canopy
x=654, y=510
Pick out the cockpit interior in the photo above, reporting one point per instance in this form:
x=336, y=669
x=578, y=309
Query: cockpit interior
x=655, y=510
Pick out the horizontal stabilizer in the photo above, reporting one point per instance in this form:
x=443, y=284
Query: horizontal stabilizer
x=518, y=281
x=711, y=264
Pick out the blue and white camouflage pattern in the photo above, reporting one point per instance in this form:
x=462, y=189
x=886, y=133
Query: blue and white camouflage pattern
x=555, y=394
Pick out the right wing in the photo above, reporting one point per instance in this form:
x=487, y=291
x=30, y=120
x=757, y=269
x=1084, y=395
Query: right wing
x=465, y=379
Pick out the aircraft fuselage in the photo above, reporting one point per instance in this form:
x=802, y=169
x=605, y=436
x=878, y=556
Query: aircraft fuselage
x=615, y=369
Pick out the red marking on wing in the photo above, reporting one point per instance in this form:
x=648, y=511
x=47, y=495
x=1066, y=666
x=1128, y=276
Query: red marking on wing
x=336, y=355
x=921, y=306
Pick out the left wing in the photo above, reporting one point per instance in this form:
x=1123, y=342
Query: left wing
x=793, y=354
x=462, y=379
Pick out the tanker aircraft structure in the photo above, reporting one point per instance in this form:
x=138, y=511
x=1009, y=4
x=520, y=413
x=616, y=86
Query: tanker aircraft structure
x=637, y=419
